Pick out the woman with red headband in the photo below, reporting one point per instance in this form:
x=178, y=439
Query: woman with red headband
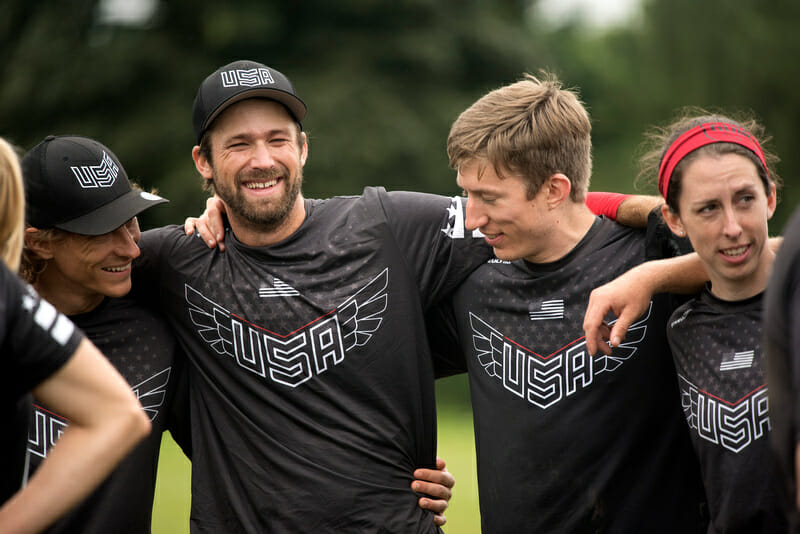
x=720, y=193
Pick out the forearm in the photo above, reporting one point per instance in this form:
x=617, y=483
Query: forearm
x=79, y=462
x=682, y=274
x=105, y=422
x=635, y=210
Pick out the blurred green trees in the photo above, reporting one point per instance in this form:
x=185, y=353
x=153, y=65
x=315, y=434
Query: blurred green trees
x=384, y=80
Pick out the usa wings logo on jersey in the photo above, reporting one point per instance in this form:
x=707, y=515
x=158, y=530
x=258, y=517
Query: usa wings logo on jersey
x=293, y=358
x=731, y=425
x=47, y=427
x=545, y=379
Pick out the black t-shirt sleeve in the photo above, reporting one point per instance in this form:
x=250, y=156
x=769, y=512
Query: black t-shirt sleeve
x=178, y=416
x=36, y=339
x=154, y=245
x=448, y=358
x=438, y=248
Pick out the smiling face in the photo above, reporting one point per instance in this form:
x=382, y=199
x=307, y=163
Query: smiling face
x=514, y=225
x=256, y=165
x=724, y=209
x=82, y=270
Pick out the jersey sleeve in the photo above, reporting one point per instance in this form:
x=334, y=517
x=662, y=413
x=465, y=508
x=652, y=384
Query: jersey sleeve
x=36, y=339
x=448, y=358
x=430, y=232
x=147, y=268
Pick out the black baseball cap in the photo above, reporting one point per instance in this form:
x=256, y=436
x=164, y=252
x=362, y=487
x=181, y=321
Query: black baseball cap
x=238, y=81
x=77, y=184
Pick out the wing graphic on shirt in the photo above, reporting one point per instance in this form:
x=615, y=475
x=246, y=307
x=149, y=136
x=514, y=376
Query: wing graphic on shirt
x=212, y=320
x=488, y=345
x=627, y=348
x=542, y=378
x=293, y=358
x=362, y=314
x=152, y=392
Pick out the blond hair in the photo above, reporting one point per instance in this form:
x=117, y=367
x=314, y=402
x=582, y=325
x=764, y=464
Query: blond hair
x=533, y=128
x=12, y=206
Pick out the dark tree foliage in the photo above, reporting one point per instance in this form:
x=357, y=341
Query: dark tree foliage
x=383, y=82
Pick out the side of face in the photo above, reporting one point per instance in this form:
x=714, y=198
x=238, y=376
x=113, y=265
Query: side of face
x=513, y=224
x=724, y=210
x=90, y=267
x=257, y=161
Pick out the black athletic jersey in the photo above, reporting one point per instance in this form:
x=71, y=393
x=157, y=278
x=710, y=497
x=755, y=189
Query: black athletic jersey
x=35, y=342
x=716, y=345
x=568, y=442
x=311, y=383
x=140, y=345
x=782, y=358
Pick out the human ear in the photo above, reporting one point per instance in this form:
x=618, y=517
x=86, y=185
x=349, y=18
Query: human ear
x=673, y=220
x=558, y=188
x=41, y=246
x=201, y=163
x=772, y=201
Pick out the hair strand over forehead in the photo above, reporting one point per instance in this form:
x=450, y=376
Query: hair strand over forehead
x=533, y=128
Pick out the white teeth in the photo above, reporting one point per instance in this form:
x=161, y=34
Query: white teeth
x=260, y=185
x=735, y=251
x=117, y=269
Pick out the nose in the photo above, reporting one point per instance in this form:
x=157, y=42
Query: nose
x=475, y=217
x=262, y=156
x=732, y=227
x=125, y=239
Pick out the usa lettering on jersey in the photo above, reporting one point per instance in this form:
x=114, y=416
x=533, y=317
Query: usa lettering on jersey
x=545, y=380
x=731, y=425
x=294, y=358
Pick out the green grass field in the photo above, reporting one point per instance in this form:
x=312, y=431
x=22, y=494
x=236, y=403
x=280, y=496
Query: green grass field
x=456, y=446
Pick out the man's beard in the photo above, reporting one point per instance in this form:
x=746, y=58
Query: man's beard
x=269, y=214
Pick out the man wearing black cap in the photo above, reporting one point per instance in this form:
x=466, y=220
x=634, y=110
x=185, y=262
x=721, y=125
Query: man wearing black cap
x=310, y=379
x=79, y=245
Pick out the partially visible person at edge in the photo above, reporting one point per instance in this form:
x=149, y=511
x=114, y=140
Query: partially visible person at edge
x=720, y=185
x=45, y=354
x=80, y=240
x=782, y=356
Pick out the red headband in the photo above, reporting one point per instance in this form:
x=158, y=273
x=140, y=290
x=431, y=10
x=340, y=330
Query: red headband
x=700, y=136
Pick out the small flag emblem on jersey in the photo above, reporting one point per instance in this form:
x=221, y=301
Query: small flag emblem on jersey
x=549, y=309
x=737, y=360
x=279, y=289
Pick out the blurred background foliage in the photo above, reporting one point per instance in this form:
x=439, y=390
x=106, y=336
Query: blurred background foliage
x=384, y=80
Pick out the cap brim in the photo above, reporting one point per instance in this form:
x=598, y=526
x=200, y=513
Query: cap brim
x=296, y=106
x=111, y=216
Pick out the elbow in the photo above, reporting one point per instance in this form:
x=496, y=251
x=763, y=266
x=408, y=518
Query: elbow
x=138, y=424
x=141, y=424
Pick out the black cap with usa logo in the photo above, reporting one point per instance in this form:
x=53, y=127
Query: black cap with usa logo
x=238, y=81
x=77, y=184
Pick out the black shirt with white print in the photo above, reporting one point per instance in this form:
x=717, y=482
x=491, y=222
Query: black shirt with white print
x=35, y=342
x=310, y=377
x=717, y=349
x=567, y=441
x=140, y=345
